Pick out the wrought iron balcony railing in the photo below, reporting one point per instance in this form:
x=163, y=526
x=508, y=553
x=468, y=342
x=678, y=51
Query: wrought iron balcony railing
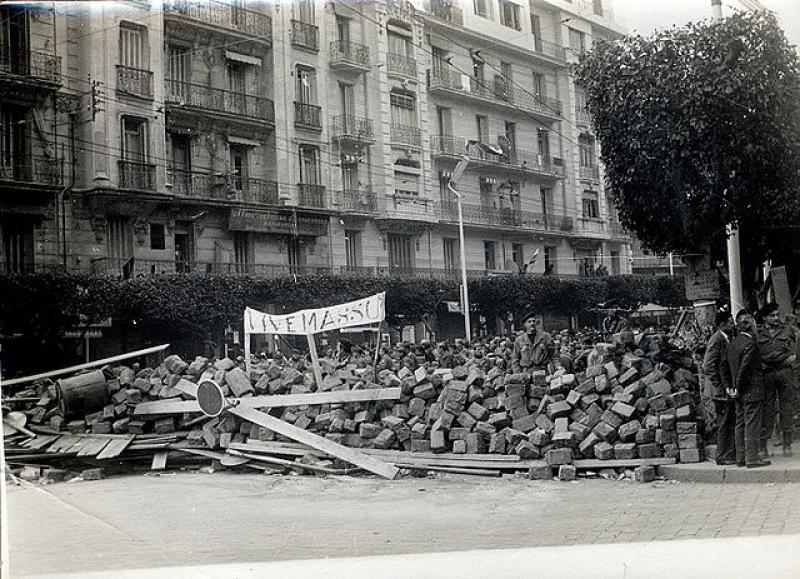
x=137, y=176
x=135, y=81
x=478, y=214
x=349, y=54
x=305, y=35
x=32, y=169
x=223, y=15
x=405, y=136
x=445, y=10
x=401, y=64
x=590, y=173
x=307, y=116
x=219, y=100
x=40, y=65
x=352, y=128
x=549, y=49
x=357, y=200
x=520, y=159
x=222, y=187
x=311, y=195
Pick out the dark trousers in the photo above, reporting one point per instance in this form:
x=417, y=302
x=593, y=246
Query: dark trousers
x=778, y=400
x=748, y=429
x=726, y=428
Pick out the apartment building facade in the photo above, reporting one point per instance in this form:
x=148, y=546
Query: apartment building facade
x=304, y=137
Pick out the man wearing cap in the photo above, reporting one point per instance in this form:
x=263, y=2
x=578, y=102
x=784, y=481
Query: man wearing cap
x=777, y=345
x=715, y=359
x=532, y=350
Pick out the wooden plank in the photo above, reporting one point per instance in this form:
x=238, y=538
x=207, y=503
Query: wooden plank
x=159, y=460
x=472, y=471
x=95, y=446
x=41, y=441
x=95, y=364
x=308, y=438
x=274, y=401
x=78, y=445
x=63, y=441
x=116, y=447
x=591, y=463
x=312, y=349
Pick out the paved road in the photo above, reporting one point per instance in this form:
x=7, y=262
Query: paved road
x=190, y=518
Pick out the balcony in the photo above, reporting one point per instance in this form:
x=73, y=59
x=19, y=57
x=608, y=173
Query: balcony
x=593, y=226
x=407, y=205
x=32, y=169
x=307, y=116
x=219, y=101
x=356, y=201
x=40, y=66
x=311, y=195
x=445, y=10
x=499, y=92
x=353, y=130
x=590, y=173
x=401, y=64
x=221, y=15
x=405, y=136
x=549, y=49
x=222, y=187
x=582, y=116
x=349, y=56
x=134, y=81
x=478, y=214
x=516, y=160
x=137, y=176
x=400, y=9
x=305, y=35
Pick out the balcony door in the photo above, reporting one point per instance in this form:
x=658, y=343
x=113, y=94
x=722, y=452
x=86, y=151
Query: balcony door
x=241, y=251
x=119, y=240
x=17, y=246
x=451, y=255
x=179, y=73
x=401, y=253
x=184, y=246
x=309, y=165
x=134, y=139
x=14, y=40
x=343, y=31
x=296, y=254
x=348, y=102
x=12, y=142
x=306, y=85
x=239, y=167
x=180, y=163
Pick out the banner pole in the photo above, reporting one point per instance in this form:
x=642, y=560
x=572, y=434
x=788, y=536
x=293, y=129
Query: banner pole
x=312, y=347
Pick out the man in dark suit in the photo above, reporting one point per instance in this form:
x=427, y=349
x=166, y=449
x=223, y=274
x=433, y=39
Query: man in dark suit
x=743, y=381
x=716, y=358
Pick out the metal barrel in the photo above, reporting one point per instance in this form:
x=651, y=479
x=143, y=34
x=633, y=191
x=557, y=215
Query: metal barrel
x=83, y=394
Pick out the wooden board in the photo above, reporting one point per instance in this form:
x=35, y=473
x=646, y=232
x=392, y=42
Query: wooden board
x=160, y=460
x=93, y=447
x=591, y=463
x=116, y=447
x=40, y=441
x=63, y=442
x=79, y=444
x=173, y=406
x=308, y=438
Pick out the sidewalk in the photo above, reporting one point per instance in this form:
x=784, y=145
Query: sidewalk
x=766, y=556
x=781, y=470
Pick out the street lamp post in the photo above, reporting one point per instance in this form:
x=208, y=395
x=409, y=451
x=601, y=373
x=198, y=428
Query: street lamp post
x=457, y=172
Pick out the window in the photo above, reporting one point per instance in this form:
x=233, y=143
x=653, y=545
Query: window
x=543, y=143
x=304, y=11
x=511, y=138
x=237, y=72
x=450, y=251
x=350, y=180
x=241, y=248
x=444, y=121
x=309, y=165
x=480, y=7
x=486, y=187
x=597, y=5
x=12, y=141
x=539, y=85
x=549, y=260
x=134, y=139
x=352, y=247
x=546, y=196
x=348, y=101
x=536, y=30
x=180, y=154
x=489, y=250
x=406, y=185
x=18, y=246
x=615, y=269
x=518, y=255
x=446, y=196
x=586, y=151
x=306, y=85
x=439, y=60
x=133, y=46
x=119, y=239
x=178, y=63
x=14, y=38
x=343, y=29
x=506, y=71
x=482, y=125
x=400, y=45
x=580, y=100
x=509, y=15
x=239, y=167
x=577, y=40
x=157, y=236
x=401, y=252
x=404, y=107
x=591, y=208
x=478, y=70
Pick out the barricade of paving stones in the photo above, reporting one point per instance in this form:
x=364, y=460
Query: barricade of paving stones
x=618, y=409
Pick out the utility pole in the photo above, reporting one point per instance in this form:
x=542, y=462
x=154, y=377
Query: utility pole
x=732, y=229
x=457, y=172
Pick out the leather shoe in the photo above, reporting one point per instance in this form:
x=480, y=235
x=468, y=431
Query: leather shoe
x=759, y=463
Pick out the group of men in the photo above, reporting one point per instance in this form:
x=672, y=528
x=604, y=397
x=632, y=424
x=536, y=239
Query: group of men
x=751, y=368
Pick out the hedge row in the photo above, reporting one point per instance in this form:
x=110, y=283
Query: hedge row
x=44, y=305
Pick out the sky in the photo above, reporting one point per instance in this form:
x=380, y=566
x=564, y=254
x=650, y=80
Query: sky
x=644, y=16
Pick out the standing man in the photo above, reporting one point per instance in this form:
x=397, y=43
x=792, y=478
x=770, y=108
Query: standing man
x=777, y=345
x=533, y=350
x=716, y=358
x=742, y=379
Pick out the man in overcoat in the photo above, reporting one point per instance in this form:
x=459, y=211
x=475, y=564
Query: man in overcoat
x=715, y=359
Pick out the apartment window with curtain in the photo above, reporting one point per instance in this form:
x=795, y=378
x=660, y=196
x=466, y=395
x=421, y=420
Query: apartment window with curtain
x=134, y=139
x=309, y=165
x=451, y=256
x=119, y=238
x=591, y=208
x=543, y=143
x=586, y=151
x=510, y=15
x=352, y=247
x=439, y=60
x=400, y=45
x=577, y=40
x=489, y=254
x=306, y=85
x=444, y=121
x=404, y=108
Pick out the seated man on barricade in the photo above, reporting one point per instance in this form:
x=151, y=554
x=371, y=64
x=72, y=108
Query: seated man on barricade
x=533, y=350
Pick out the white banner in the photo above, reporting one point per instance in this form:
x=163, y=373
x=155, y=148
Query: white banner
x=305, y=322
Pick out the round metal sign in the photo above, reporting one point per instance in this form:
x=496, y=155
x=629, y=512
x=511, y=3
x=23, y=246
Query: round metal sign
x=210, y=398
